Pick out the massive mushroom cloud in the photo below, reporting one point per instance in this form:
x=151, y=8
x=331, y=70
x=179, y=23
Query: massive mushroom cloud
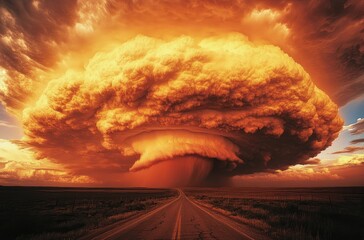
x=242, y=107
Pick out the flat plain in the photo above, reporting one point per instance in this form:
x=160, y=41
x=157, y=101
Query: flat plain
x=291, y=213
x=279, y=213
x=69, y=213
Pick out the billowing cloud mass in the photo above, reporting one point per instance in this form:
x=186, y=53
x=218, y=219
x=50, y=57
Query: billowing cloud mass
x=116, y=89
x=246, y=106
x=41, y=39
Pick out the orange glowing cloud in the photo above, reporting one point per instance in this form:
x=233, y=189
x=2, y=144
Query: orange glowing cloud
x=150, y=100
x=230, y=86
x=41, y=39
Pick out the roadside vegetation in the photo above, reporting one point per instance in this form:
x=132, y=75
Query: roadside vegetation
x=292, y=214
x=68, y=213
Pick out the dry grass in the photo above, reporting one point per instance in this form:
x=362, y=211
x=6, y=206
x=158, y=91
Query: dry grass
x=303, y=214
x=66, y=213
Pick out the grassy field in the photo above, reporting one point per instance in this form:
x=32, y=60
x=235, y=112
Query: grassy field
x=291, y=213
x=67, y=213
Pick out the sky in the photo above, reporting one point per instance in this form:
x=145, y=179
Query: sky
x=174, y=93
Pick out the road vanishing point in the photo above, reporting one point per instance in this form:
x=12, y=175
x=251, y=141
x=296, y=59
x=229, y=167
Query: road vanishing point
x=181, y=218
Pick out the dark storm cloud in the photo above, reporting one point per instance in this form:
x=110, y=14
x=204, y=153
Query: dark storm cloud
x=359, y=140
x=40, y=25
x=349, y=149
x=332, y=32
x=31, y=33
